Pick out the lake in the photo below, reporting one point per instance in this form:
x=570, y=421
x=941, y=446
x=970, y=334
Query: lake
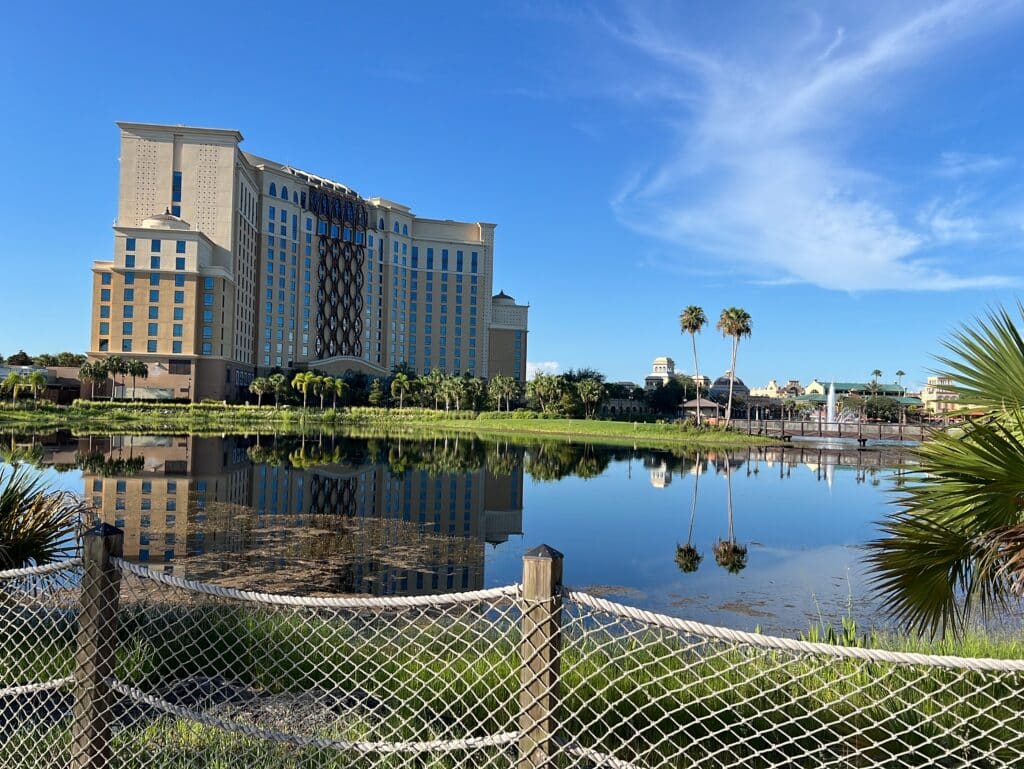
x=402, y=517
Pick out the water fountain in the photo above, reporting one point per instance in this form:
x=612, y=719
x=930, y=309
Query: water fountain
x=830, y=404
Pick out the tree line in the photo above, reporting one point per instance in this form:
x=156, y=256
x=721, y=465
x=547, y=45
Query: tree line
x=22, y=358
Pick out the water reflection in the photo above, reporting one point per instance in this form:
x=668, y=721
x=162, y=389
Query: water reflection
x=329, y=514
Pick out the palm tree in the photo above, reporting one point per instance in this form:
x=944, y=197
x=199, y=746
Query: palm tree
x=400, y=385
x=339, y=388
x=302, y=382
x=259, y=387
x=691, y=321
x=591, y=392
x=37, y=526
x=956, y=545
x=874, y=381
x=279, y=386
x=37, y=381
x=729, y=554
x=733, y=322
x=688, y=558
x=320, y=385
x=900, y=373
x=136, y=369
x=115, y=365
x=13, y=383
x=93, y=373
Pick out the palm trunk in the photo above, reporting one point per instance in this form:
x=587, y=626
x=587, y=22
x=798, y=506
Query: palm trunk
x=696, y=373
x=259, y=400
x=133, y=386
x=728, y=491
x=321, y=401
x=732, y=380
x=693, y=505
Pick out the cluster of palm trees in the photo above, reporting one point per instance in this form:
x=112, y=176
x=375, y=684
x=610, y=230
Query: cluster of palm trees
x=733, y=322
x=404, y=387
x=16, y=382
x=112, y=367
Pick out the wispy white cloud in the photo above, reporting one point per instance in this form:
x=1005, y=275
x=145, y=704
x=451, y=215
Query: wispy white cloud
x=956, y=164
x=760, y=174
x=542, y=366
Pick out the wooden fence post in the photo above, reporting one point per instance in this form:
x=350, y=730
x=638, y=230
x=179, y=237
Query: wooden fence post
x=91, y=737
x=540, y=656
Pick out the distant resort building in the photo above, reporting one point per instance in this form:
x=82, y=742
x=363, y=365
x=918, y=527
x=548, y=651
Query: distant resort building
x=937, y=397
x=773, y=389
x=662, y=370
x=720, y=388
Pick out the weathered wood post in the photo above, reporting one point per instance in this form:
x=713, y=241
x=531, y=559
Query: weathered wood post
x=97, y=648
x=540, y=656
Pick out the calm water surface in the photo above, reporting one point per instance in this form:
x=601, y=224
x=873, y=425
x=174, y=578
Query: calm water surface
x=333, y=515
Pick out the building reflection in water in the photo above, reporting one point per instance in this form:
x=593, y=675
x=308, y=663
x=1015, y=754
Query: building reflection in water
x=327, y=516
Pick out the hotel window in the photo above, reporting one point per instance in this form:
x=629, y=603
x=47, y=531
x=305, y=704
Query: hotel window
x=104, y=294
x=105, y=279
x=176, y=348
x=176, y=187
x=284, y=192
x=179, y=297
x=129, y=278
x=104, y=345
x=208, y=299
x=105, y=311
x=207, y=332
x=126, y=345
x=207, y=316
x=208, y=283
x=444, y=258
x=104, y=328
x=154, y=296
x=129, y=260
x=179, y=263
x=176, y=329
x=179, y=281
x=458, y=262
x=129, y=244
x=154, y=313
x=129, y=295
x=152, y=329
x=207, y=348
x=151, y=345
x=179, y=313
x=126, y=329
x=179, y=247
x=176, y=210
x=273, y=190
x=154, y=279
x=154, y=262
x=155, y=246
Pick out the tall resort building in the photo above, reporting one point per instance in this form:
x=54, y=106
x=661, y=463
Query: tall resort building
x=227, y=266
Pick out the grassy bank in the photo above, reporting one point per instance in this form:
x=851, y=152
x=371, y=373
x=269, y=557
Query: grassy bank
x=650, y=698
x=101, y=417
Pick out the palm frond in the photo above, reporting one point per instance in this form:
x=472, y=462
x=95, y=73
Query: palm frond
x=36, y=525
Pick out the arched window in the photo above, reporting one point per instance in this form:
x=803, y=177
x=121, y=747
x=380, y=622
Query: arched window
x=396, y=226
x=380, y=225
x=295, y=198
x=284, y=192
x=405, y=229
x=273, y=190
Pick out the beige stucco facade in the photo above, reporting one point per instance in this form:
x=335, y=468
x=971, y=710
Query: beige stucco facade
x=507, y=337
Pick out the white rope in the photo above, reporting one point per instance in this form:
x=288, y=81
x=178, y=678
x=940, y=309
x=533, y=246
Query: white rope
x=792, y=645
x=428, y=746
x=31, y=571
x=57, y=683
x=394, y=602
x=599, y=759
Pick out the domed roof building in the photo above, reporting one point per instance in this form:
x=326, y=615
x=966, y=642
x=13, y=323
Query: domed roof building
x=720, y=388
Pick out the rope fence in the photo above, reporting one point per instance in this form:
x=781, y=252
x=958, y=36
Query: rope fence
x=106, y=664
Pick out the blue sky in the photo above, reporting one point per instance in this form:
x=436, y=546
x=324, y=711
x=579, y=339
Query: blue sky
x=850, y=176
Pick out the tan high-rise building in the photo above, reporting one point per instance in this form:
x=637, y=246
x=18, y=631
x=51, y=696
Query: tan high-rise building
x=507, y=337
x=227, y=266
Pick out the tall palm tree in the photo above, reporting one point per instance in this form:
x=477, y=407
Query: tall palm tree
x=400, y=385
x=340, y=387
x=92, y=373
x=874, y=381
x=900, y=373
x=956, y=545
x=691, y=321
x=688, y=558
x=729, y=554
x=733, y=322
x=259, y=387
x=136, y=369
x=37, y=381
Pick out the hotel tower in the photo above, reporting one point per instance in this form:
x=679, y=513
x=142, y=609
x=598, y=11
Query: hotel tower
x=227, y=265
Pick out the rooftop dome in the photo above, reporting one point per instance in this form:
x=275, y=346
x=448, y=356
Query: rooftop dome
x=502, y=298
x=165, y=221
